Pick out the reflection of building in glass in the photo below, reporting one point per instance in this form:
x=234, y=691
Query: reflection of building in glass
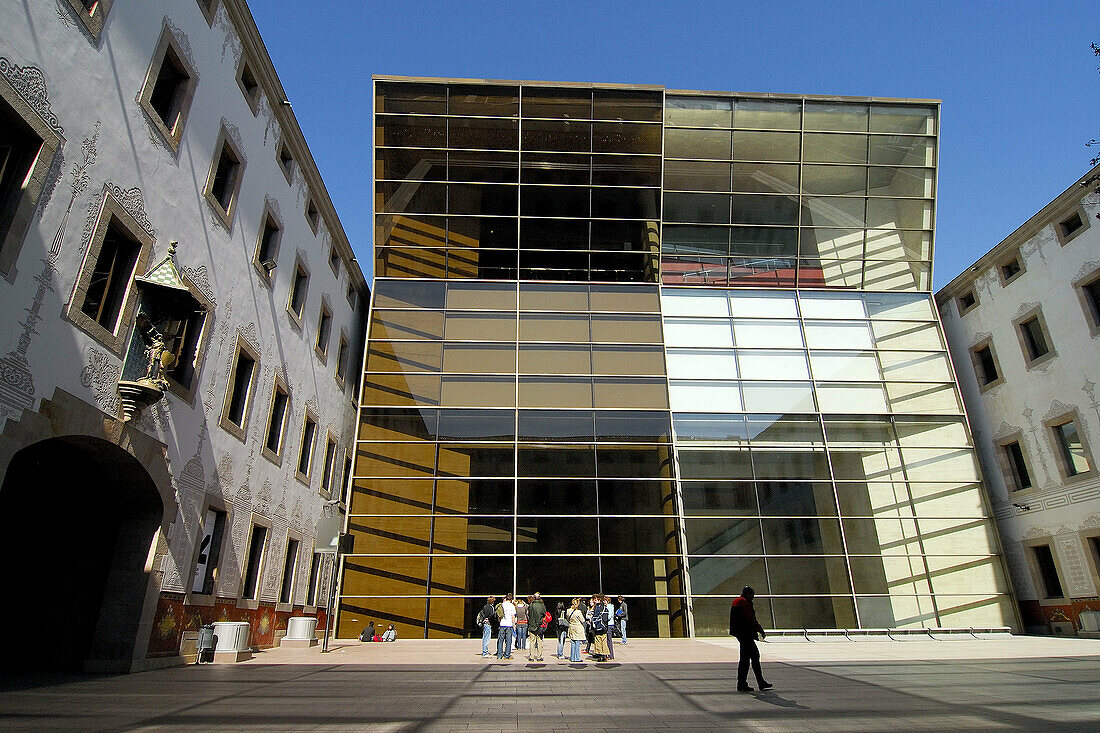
x=553, y=403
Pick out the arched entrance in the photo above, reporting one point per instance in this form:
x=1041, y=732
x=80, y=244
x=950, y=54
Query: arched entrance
x=78, y=515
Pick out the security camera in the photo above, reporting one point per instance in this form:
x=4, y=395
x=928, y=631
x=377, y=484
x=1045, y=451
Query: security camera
x=269, y=264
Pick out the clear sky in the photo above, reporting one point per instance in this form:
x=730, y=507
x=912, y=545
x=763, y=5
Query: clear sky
x=1018, y=80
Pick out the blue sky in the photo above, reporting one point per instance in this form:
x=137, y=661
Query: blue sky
x=1018, y=80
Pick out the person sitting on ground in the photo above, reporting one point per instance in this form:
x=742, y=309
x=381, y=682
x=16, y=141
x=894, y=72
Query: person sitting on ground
x=368, y=633
x=390, y=634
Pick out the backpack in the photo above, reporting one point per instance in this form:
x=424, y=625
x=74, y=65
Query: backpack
x=599, y=621
x=546, y=619
x=563, y=623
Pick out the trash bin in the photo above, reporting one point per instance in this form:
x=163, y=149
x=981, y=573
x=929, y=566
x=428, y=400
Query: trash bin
x=206, y=644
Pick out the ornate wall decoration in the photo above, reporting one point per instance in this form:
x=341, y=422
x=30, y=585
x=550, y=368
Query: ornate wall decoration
x=30, y=84
x=234, y=133
x=134, y=203
x=79, y=184
x=16, y=381
x=1004, y=431
x=182, y=41
x=101, y=374
x=200, y=278
x=1069, y=548
x=231, y=42
x=210, y=400
x=249, y=334
x=1033, y=428
x=53, y=177
x=64, y=13
x=977, y=339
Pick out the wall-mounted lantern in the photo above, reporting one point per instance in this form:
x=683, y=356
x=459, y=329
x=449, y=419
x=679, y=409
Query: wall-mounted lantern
x=165, y=308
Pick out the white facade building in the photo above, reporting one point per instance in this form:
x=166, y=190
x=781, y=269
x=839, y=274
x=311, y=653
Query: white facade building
x=127, y=126
x=1023, y=327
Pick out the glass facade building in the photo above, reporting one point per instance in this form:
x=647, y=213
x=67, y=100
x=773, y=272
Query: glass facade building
x=663, y=344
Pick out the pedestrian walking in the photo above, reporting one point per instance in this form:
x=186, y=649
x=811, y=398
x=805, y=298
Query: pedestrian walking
x=609, y=618
x=521, y=624
x=745, y=627
x=622, y=615
x=563, y=629
x=536, y=626
x=485, y=619
x=575, y=617
x=507, y=615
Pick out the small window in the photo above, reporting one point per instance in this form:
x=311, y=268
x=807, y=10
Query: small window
x=286, y=161
x=313, y=215
x=92, y=14
x=330, y=459
x=1048, y=571
x=185, y=350
x=352, y=295
x=1034, y=338
x=342, y=357
x=324, y=328
x=208, y=9
x=276, y=420
x=240, y=389
x=334, y=260
x=1011, y=269
x=1070, y=226
x=985, y=365
x=1014, y=453
x=314, y=578
x=298, y=289
x=254, y=562
x=1071, y=448
x=290, y=562
x=967, y=301
x=249, y=86
x=267, y=246
x=346, y=485
x=111, y=276
x=27, y=148
x=209, y=552
x=168, y=91
x=225, y=180
x=305, y=452
x=1088, y=290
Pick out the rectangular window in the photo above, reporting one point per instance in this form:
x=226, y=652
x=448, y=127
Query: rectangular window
x=351, y=295
x=1070, y=225
x=276, y=421
x=210, y=546
x=985, y=365
x=286, y=592
x=268, y=245
x=1072, y=448
x=345, y=495
x=305, y=453
x=185, y=350
x=1035, y=340
x=169, y=90
x=19, y=148
x=1011, y=269
x=334, y=261
x=254, y=562
x=286, y=161
x=314, y=578
x=298, y=291
x=241, y=388
x=967, y=301
x=1017, y=465
x=111, y=275
x=342, y=359
x=223, y=185
x=324, y=326
x=313, y=215
x=249, y=86
x=1048, y=571
x=1091, y=294
x=330, y=459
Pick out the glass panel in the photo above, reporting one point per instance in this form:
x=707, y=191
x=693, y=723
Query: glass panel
x=621, y=496
x=619, y=535
x=710, y=427
x=391, y=496
x=903, y=118
x=412, y=460
x=476, y=425
x=484, y=100
x=814, y=613
x=462, y=391
x=624, y=203
x=462, y=535
x=773, y=365
x=561, y=460
x=557, y=102
x=689, y=332
x=713, y=144
x=762, y=304
x=469, y=198
x=838, y=335
x=491, y=296
x=622, y=170
x=558, y=576
x=768, y=114
x=554, y=359
x=719, y=497
x=899, y=245
x=767, y=334
x=406, y=325
x=724, y=575
x=565, y=328
x=902, y=150
x=710, y=464
x=410, y=164
x=479, y=358
x=788, y=463
x=922, y=397
x=698, y=112
x=640, y=360
x=931, y=431
x=696, y=176
x=702, y=364
x=555, y=496
x=483, y=167
x=623, y=104
x=410, y=132
x=533, y=296
x=555, y=201
x=631, y=329
x=765, y=145
x=833, y=212
x=483, y=134
x=551, y=168
x=906, y=335
x=628, y=298
x=832, y=305
x=851, y=397
x=540, y=535
x=556, y=425
x=634, y=426
x=764, y=241
x=468, y=231
x=794, y=498
x=900, y=182
x=555, y=392
x=707, y=208
x=833, y=116
x=412, y=98
x=759, y=209
x=404, y=356
x=397, y=425
x=564, y=136
x=805, y=575
x=624, y=137
x=780, y=397
x=696, y=240
x=694, y=302
x=411, y=196
x=784, y=429
x=629, y=392
x=475, y=496
x=480, y=326
x=765, y=178
x=723, y=537
x=899, y=213
x=401, y=389
x=802, y=536
x=845, y=365
x=825, y=148
x=859, y=430
x=832, y=244
x=838, y=180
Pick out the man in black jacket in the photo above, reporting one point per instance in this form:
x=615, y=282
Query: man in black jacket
x=745, y=627
x=485, y=619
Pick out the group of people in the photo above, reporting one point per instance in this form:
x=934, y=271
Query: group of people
x=370, y=633
x=519, y=621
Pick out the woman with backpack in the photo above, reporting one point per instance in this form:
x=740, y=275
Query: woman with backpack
x=563, y=629
x=600, y=651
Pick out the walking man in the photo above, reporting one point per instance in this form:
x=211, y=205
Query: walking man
x=622, y=614
x=485, y=618
x=745, y=627
x=507, y=627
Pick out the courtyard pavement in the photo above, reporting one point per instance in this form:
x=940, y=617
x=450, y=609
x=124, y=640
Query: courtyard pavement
x=956, y=684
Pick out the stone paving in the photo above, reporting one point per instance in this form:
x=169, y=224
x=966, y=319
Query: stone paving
x=1021, y=683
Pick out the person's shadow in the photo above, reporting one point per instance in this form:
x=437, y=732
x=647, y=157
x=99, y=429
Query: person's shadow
x=770, y=697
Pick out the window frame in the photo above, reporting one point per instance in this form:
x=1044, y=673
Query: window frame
x=1054, y=435
x=92, y=18
x=963, y=308
x=253, y=602
x=240, y=431
x=313, y=214
x=328, y=464
x=287, y=605
x=251, y=97
x=1037, y=573
x=286, y=160
x=209, y=10
x=215, y=504
x=300, y=267
x=1090, y=308
x=1007, y=465
x=343, y=359
x=1035, y=314
x=306, y=477
x=1059, y=224
x=226, y=214
x=24, y=204
x=276, y=457
x=1016, y=258
x=321, y=345
x=174, y=135
x=269, y=215
x=188, y=393
x=1090, y=540
x=110, y=210
x=979, y=369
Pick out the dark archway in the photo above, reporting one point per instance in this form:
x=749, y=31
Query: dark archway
x=78, y=516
